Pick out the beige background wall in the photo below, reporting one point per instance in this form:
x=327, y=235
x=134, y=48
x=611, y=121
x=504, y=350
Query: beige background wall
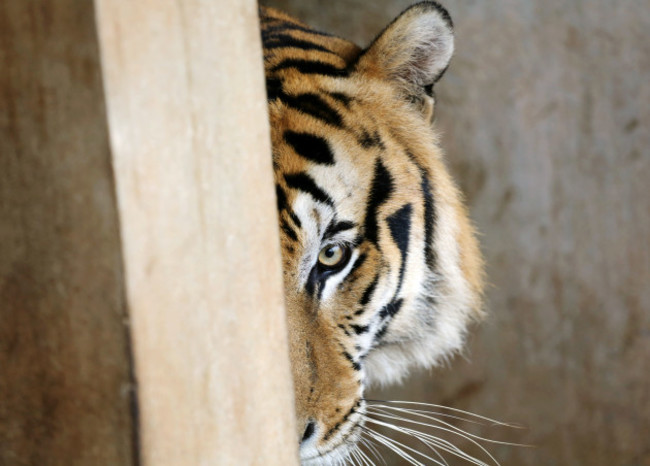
x=546, y=119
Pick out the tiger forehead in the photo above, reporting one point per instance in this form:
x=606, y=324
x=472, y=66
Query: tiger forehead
x=329, y=147
x=322, y=140
x=286, y=38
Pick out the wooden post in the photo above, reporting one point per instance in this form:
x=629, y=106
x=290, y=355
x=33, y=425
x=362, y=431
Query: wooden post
x=139, y=256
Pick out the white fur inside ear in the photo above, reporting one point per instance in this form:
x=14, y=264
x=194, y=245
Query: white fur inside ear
x=416, y=48
x=432, y=48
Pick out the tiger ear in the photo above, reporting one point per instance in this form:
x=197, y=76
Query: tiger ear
x=414, y=50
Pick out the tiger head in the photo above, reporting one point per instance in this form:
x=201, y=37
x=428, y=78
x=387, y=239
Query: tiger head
x=382, y=271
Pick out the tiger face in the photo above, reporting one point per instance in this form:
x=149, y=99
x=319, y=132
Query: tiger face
x=382, y=271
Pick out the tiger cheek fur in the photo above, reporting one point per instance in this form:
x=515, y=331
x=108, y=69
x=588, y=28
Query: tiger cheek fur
x=382, y=271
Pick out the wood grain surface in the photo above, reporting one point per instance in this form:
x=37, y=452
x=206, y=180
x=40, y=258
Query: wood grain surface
x=190, y=139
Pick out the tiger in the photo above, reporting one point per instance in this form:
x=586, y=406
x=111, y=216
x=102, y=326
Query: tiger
x=382, y=269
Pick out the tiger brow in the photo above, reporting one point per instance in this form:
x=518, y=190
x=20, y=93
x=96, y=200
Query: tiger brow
x=336, y=227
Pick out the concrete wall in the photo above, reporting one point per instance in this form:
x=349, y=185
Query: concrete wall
x=545, y=113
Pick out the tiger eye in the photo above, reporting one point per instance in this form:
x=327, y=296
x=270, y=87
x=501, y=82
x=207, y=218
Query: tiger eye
x=332, y=256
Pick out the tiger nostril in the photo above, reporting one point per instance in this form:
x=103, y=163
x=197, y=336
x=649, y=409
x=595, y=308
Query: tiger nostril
x=309, y=431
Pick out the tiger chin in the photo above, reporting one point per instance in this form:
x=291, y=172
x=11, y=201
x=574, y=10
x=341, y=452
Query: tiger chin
x=382, y=270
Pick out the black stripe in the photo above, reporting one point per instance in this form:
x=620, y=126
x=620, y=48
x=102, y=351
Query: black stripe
x=296, y=220
x=313, y=105
x=359, y=329
x=357, y=240
x=430, y=215
x=311, y=147
x=382, y=188
x=270, y=31
x=283, y=204
x=387, y=312
x=429, y=221
x=288, y=230
x=312, y=281
x=355, y=365
x=305, y=183
x=273, y=88
x=390, y=309
x=399, y=224
x=276, y=41
x=310, y=67
x=365, y=299
x=316, y=282
x=336, y=227
x=281, y=198
x=369, y=141
x=382, y=331
x=343, y=98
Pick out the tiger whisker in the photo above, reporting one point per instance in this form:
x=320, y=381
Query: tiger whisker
x=369, y=444
x=390, y=445
x=418, y=412
x=436, y=442
x=371, y=436
x=362, y=462
x=366, y=459
x=379, y=412
x=358, y=457
x=432, y=448
x=398, y=447
x=386, y=404
x=351, y=458
x=354, y=458
x=448, y=427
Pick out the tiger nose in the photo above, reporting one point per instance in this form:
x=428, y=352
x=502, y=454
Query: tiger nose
x=310, y=430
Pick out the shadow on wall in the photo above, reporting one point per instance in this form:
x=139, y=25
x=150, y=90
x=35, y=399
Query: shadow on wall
x=545, y=118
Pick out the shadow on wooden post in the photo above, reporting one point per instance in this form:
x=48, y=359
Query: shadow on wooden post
x=138, y=222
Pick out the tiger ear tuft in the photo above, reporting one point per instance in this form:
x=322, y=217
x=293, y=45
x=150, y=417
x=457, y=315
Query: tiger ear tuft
x=414, y=49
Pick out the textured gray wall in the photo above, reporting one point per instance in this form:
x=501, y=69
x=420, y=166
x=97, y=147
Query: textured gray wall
x=545, y=114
